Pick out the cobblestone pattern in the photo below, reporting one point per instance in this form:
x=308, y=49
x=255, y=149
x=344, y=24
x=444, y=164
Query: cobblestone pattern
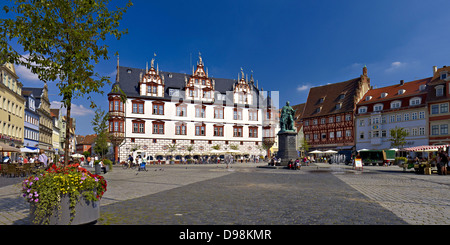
x=416, y=199
x=251, y=197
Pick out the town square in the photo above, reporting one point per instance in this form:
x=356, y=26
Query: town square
x=257, y=113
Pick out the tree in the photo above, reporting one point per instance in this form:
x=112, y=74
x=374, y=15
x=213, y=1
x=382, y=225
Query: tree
x=398, y=137
x=62, y=41
x=304, y=146
x=100, y=127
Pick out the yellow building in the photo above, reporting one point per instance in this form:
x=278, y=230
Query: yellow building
x=12, y=106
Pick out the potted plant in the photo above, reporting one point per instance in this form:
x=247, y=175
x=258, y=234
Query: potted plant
x=64, y=195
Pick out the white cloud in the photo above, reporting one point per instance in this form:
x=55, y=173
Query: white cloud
x=76, y=110
x=395, y=65
x=301, y=88
x=25, y=74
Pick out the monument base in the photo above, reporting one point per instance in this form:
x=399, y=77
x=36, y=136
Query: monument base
x=287, y=147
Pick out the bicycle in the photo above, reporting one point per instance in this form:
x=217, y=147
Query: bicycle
x=127, y=164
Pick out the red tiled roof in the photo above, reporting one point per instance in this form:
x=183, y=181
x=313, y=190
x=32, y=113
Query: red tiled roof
x=410, y=88
x=331, y=97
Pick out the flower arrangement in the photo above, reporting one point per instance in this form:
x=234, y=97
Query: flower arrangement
x=44, y=190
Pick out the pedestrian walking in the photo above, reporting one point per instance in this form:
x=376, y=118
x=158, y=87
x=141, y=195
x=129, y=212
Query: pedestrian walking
x=43, y=158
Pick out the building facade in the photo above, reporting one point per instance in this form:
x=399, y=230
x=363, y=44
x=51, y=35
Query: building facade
x=328, y=116
x=31, y=122
x=402, y=105
x=12, y=106
x=45, y=119
x=438, y=101
x=179, y=114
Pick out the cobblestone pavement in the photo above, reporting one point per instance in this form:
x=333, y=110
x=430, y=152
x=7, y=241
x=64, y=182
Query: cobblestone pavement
x=244, y=194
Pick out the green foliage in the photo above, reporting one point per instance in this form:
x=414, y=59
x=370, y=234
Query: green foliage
x=216, y=147
x=62, y=41
x=45, y=189
x=234, y=147
x=398, y=137
x=100, y=126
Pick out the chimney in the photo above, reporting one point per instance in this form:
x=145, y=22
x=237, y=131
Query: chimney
x=434, y=70
x=402, y=82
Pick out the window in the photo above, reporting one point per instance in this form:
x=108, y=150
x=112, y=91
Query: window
x=218, y=113
x=435, y=130
x=348, y=117
x=414, y=115
x=383, y=133
x=338, y=106
x=200, y=130
x=378, y=107
x=237, y=114
x=253, y=132
x=331, y=135
x=338, y=134
x=174, y=92
x=406, y=116
x=439, y=90
x=323, y=136
x=253, y=115
x=330, y=119
x=415, y=101
x=338, y=118
x=137, y=107
x=444, y=129
x=218, y=130
x=315, y=121
x=362, y=109
x=414, y=131
x=383, y=119
x=158, y=128
x=181, y=110
x=421, y=115
x=180, y=129
x=322, y=121
x=396, y=104
x=348, y=133
x=443, y=108
x=200, y=112
x=443, y=76
x=237, y=131
x=138, y=127
x=421, y=131
x=434, y=109
x=399, y=117
x=158, y=108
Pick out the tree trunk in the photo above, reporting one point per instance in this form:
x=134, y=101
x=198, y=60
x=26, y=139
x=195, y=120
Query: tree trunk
x=68, y=126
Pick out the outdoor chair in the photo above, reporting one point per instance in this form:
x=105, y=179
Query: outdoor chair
x=4, y=169
x=12, y=170
x=26, y=169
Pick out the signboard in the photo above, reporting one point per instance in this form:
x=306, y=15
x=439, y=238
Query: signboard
x=358, y=163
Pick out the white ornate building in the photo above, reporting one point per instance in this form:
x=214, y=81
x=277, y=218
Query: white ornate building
x=178, y=114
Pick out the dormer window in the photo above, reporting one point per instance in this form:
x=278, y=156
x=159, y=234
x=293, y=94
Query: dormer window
x=317, y=110
x=439, y=90
x=383, y=95
x=443, y=76
x=422, y=87
x=396, y=104
x=338, y=106
x=401, y=91
x=341, y=96
x=321, y=100
x=378, y=107
x=362, y=109
x=368, y=98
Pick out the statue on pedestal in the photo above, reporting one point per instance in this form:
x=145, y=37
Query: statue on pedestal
x=287, y=118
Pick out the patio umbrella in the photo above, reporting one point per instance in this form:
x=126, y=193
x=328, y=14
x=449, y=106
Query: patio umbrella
x=7, y=148
x=315, y=152
x=330, y=151
x=28, y=150
x=77, y=155
x=214, y=152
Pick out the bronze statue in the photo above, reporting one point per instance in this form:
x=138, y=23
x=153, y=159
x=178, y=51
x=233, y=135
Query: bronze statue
x=287, y=118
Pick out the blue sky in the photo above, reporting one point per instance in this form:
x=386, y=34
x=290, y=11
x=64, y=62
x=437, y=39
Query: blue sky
x=289, y=45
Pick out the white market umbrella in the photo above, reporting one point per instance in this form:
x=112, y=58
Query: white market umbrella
x=330, y=151
x=28, y=150
x=363, y=150
x=315, y=152
x=216, y=152
x=76, y=155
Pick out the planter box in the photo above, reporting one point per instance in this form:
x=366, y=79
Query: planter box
x=85, y=212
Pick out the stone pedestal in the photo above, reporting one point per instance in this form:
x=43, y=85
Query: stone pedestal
x=287, y=147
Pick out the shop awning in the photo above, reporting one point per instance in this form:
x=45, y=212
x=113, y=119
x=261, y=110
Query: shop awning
x=426, y=147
